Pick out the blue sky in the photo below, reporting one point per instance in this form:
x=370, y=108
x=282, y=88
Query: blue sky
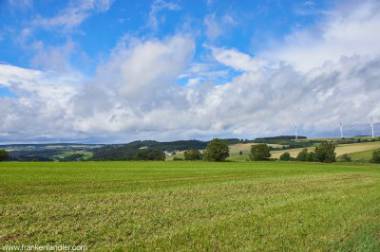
x=245, y=25
x=103, y=70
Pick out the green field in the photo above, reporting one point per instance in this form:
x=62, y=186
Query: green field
x=192, y=206
x=362, y=156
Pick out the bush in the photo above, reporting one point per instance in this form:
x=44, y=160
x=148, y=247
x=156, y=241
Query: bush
x=311, y=157
x=303, y=155
x=260, y=152
x=376, y=156
x=150, y=154
x=285, y=156
x=177, y=159
x=216, y=150
x=74, y=157
x=344, y=158
x=325, y=152
x=3, y=155
x=193, y=154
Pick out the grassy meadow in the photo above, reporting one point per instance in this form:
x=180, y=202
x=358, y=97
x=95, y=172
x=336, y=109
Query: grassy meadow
x=361, y=156
x=192, y=206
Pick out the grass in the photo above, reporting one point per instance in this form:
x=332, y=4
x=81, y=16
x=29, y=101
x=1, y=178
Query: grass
x=362, y=156
x=192, y=206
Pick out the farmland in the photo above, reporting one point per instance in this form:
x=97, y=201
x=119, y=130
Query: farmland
x=174, y=206
x=362, y=156
x=358, y=151
x=341, y=149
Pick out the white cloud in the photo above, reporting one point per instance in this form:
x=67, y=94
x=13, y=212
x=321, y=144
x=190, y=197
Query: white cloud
x=39, y=108
x=55, y=58
x=347, y=31
x=137, y=82
x=213, y=29
x=73, y=15
x=237, y=60
x=158, y=6
x=217, y=26
x=271, y=101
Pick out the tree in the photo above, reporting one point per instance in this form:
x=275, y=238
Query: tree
x=3, y=155
x=345, y=158
x=193, y=154
x=376, y=156
x=216, y=150
x=260, y=152
x=303, y=155
x=150, y=154
x=325, y=152
x=311, y=157
x=74, y=157
x=285, y=156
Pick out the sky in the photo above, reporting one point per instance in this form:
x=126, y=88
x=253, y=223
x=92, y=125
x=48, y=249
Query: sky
x=113, y=71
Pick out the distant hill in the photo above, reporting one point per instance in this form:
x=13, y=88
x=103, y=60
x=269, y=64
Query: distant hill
x=278, y=138
x=48, y=152
x=75, y=151
x=130, y=150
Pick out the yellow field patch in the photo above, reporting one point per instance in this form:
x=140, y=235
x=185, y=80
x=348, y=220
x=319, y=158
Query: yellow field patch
x=340, y=149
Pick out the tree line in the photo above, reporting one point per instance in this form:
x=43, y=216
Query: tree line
x=325, y=153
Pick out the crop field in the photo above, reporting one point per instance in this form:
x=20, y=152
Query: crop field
x=340, y=149
x=362, y=156
x=191, y=206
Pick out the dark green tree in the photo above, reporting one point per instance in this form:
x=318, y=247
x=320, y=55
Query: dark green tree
x=345, y=158
x=193, y=154
x=285, y=156
x=3, y=155
x=376, y=156
x=311, y=157
x=259, y=152
x=150, y=154
x=325, y=152
x=216, y=150
x=303, y=155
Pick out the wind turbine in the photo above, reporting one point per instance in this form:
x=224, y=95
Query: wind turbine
x=298, y=111
x=341, y=130
x=296, y=131
x=372, y=129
